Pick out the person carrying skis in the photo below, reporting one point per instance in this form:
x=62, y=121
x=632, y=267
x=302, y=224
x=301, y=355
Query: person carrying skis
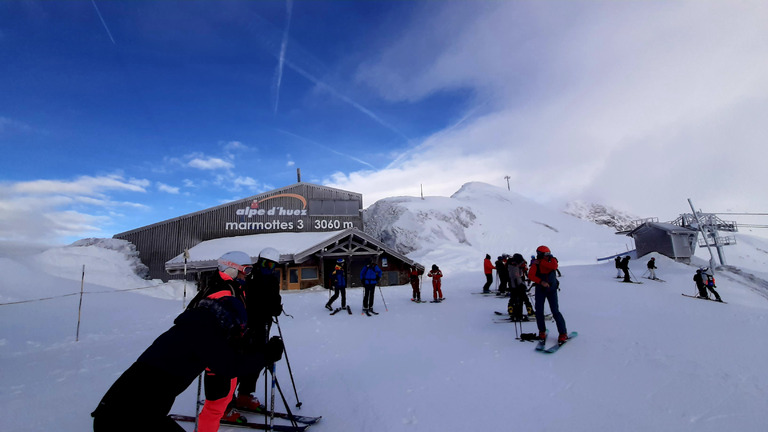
x=544, y=277
x=414, y=275
x=263, y=301
x=370, y=276
x=339, y=282
x=488, y=270
x=436, y=276
x=652, y=269
x=207, y=335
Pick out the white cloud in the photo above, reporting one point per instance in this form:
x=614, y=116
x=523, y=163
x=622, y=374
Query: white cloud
x=168, y=189
x=637, y=105
x=210, y=163
x=44, y=210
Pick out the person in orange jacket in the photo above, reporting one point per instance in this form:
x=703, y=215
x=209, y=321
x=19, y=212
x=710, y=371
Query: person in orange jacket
x=543, y=274
x=488, y=270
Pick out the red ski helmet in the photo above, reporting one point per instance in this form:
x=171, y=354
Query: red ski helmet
x=543, y=250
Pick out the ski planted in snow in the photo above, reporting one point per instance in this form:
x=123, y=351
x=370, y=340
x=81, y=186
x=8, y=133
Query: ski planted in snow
x=553, y=349
x=259, y=426
x=705, y=298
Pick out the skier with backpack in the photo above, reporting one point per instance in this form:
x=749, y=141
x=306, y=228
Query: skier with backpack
x=705, y=280
x=370, y=276
x=339, y=283
x=543, y=274
x=518, y=296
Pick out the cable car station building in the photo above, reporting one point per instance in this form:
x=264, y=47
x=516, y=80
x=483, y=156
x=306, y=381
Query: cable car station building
x=311, y=226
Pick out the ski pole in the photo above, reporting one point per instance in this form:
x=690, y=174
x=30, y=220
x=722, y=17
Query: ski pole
x=382, y=299
x=290, y=372
x=272, y=399
x=197, y=400
x=291, y=417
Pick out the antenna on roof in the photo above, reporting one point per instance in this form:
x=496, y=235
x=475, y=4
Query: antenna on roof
x=298, y=174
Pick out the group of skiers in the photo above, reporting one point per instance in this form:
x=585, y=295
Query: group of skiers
x=370, y=276
x=704, y=278
x=223, y=333
x=515, y=275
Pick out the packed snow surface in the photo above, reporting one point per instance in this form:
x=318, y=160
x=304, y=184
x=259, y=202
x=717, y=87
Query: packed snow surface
x=646, y=359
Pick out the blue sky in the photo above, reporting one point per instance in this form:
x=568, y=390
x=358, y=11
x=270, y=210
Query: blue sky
x=118, y=114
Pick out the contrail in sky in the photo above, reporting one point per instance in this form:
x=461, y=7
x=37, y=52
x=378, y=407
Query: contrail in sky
x=283, y=47
x=333, y=91
x=327, y=148
x=93, y=2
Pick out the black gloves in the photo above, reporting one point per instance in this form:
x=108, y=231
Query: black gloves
x=277, y=310
x=273, y=351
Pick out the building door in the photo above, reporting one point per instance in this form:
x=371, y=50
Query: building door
x=293, y=279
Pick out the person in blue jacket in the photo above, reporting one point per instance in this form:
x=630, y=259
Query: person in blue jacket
x=370, y=276
x=339, y=283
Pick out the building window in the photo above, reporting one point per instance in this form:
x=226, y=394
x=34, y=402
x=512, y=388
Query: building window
x=334, y=208
x=308, y=273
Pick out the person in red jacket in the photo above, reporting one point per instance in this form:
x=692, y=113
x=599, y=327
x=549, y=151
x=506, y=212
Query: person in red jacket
x=488, y=270
x=436, y=276
x=543, y=275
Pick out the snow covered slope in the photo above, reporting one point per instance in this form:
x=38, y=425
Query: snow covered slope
x=646, y=359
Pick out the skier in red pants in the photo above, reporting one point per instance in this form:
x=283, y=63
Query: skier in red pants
x=436, y=276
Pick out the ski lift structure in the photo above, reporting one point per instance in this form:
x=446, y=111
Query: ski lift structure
x=678, y=239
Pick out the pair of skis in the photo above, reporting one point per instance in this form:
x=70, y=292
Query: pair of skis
x=308, y=421
x=705, y=298
x=541, y=345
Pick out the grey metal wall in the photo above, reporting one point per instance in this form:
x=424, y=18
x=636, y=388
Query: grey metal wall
x=327, y=209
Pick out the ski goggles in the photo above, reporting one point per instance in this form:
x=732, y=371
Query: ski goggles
x=246, y=270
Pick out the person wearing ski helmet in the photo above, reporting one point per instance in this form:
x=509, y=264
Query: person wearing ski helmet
x=370, y=275
x=414, y=274
x=339, y=283
x=652, y=269
x=233, y=269
x=437, y=276
x=263, y=302
x=207, y=335
x=543, y=274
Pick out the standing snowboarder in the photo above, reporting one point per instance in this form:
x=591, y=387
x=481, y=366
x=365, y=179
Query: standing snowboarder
x=652, y=269
x=339, y=282
x=436, y=276
x=369, y=276
x=488, y=271
x=544, y=277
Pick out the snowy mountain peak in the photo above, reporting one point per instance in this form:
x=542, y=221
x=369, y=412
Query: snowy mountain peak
x=600, y=214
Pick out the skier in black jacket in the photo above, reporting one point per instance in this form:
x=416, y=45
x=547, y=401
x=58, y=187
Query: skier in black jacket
x=209, y=335
x=263, y=301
